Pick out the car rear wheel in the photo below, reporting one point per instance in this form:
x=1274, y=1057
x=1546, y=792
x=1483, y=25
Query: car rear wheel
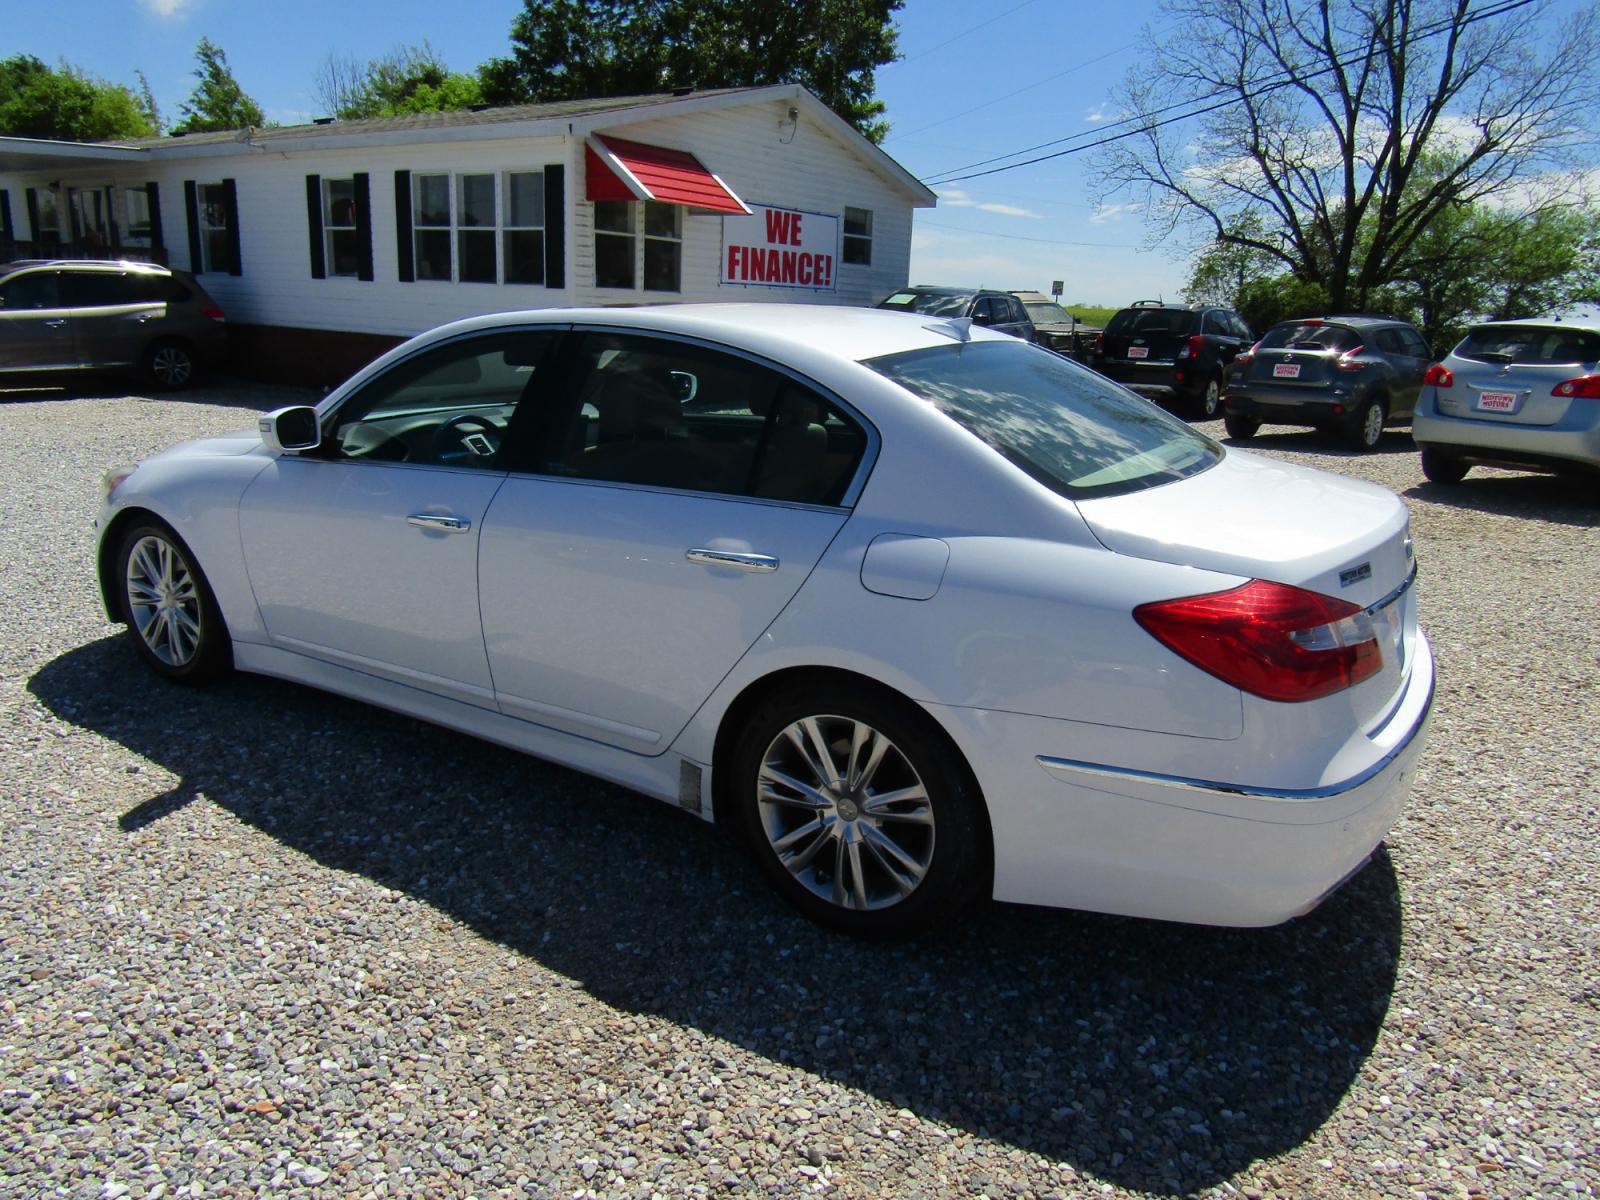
x=1366, y=429
x=1240, y=428
x=171, y=613
x=858, y=813
x=1208, y=402
x=1441, y=468
x=169, y=366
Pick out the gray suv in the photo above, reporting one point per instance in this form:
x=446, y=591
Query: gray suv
x=1000, y=311
x=70, y=315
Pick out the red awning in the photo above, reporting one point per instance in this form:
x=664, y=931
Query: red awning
x=623, y=170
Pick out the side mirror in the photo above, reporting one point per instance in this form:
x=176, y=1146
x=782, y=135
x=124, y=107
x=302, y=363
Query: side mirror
x=289, y=430
x=983, y=318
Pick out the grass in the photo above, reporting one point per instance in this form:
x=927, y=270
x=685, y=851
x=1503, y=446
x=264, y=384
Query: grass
x=1095, y=315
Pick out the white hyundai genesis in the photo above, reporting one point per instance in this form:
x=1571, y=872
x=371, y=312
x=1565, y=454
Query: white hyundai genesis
x=920, y=611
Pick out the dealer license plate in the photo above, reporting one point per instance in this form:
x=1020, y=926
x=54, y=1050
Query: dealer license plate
x=1138, y=351
x=1497, y=401
x=1286, y=370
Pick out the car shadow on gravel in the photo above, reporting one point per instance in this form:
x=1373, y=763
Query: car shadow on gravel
x=1314, y=441
x=1159, y=1057
x=1541, y=497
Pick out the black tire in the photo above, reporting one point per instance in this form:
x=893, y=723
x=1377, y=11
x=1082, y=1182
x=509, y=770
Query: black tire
x=940, y=831
x=1365, y=430
x=169, y=366
x=1241, y=429
x=172, y=615
x=1209, y=402
x=1441, y=468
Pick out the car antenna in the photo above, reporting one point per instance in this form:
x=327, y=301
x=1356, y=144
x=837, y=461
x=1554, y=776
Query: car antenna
x=959, y=328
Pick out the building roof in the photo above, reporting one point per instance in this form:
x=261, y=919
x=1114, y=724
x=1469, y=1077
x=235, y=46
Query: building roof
x=568, y=117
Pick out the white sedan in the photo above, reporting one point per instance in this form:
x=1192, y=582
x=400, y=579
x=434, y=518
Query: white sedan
x=922, y=612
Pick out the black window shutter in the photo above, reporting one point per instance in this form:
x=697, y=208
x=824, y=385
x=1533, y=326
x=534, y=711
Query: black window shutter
x=31, y=195
x=7, y=230
x=230, y=205
x=402, y=226
x=153, y=190
x=319, y=267
x=555, y=226
x=111, y=216
x=191, y=208
x=363, y=226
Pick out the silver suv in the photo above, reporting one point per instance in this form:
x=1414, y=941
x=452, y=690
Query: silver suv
x=1520, y=394
x=75, y=315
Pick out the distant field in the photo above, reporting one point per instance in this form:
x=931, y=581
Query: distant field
x=1090, y=314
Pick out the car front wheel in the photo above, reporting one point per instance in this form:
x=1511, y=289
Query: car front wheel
x=171, y=613
x=858, y=813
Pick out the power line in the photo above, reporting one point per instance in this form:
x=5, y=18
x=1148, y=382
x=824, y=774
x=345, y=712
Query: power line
x=1285, y=78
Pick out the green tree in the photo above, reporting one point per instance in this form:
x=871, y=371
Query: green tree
x=40, y=102
x=409, y=79
x=574, y=49
x=217, y=102
x=1320, y=119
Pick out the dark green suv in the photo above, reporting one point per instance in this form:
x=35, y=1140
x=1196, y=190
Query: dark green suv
x=65, y=316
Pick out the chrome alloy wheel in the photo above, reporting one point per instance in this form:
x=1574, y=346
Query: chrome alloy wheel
x=845, y=812
x=1372, y=425
x=171, y=365
x=164, y=600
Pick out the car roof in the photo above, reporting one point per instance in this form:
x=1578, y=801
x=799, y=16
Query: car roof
x=119, y=265
x=1581, y=324
x=838, y=331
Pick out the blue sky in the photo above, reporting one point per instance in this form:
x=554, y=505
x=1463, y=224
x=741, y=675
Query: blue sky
x=975, y=80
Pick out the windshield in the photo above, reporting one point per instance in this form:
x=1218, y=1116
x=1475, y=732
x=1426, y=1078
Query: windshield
x=1152, y=320
x=1301, y=335
x=1530, y=344
x=1077, y=433
x=1048, y=314
x=935, y=304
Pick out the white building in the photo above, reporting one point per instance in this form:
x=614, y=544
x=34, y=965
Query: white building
x=326, y=243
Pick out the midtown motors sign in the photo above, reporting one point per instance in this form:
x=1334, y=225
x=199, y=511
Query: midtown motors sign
x=780, y=247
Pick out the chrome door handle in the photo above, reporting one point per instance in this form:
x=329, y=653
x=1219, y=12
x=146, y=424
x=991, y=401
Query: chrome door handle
x=448, y=524
x=729, y=558
x=57, y=323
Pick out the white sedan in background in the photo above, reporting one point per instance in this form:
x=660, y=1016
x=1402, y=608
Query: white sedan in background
x=923, y=612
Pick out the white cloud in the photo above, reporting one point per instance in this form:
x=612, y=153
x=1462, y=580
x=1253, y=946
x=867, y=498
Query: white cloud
x=167, y=9
x=1096, y=114
x=960, y=198
x=1113, y=212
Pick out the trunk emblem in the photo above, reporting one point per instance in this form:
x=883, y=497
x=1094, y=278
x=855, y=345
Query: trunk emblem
x=1355, y=574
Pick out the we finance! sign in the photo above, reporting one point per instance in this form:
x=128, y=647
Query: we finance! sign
x=780, y=247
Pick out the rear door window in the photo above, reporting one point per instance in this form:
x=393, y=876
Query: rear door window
x=96, y=289
x=32, y=291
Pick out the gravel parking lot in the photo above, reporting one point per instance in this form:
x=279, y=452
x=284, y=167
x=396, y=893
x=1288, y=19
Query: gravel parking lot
x=256, y=940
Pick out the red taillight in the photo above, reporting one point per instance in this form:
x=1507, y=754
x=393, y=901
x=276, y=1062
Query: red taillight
x=1269, y=639
x=1192, y=348
x=1347, y=360
x=1584, y=387
x=1099, y=343
x=1439, y=375
x=1248, y=357
x=212, y=311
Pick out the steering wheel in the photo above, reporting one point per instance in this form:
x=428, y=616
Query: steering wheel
x=465, y=437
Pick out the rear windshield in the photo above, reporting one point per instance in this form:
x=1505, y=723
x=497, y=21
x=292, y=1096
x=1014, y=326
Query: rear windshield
x=935, y=304
x=1179, y=321
x=1074, y=431
x=1532, y=344
x=1297, y=335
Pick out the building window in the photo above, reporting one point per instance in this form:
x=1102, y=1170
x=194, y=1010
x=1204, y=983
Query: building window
x=663, y=247
x=49, y=226
x=430, y=226
x=136, y=202
x=858, y=236
x=343, y=255
x=475, y=228
x=216, y=239
x=524, y=227
x=613, y=243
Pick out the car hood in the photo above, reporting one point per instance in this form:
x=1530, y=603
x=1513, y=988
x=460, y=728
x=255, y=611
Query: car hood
x=1264, y=519
x=227, y=446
